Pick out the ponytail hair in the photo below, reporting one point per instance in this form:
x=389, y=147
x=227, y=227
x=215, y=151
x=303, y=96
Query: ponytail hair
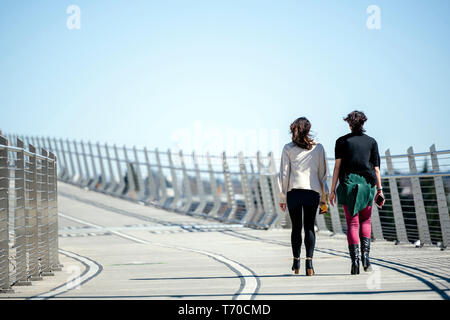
x=300, y=133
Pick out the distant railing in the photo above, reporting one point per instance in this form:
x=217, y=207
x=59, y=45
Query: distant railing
x=243, y=189
x=231, y=189
x=28, y=215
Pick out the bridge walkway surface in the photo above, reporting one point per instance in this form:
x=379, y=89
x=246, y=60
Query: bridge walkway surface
x=112, y=248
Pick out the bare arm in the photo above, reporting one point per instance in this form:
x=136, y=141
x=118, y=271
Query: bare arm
x=337, y=166
x=378, y=176
x=323, y=177
x=378, y=182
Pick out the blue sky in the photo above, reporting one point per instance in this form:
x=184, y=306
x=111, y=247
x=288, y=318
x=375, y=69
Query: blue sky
x=153, y=72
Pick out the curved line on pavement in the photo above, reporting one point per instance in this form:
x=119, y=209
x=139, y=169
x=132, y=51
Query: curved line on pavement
x=250, y=283
x=92, y=269
x=432, y=286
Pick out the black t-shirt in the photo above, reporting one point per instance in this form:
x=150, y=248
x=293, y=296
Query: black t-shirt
x=359, y=154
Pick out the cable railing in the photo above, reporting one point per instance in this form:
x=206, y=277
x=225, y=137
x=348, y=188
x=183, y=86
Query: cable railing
x=244, y=189
x=416, y=186
x=28, y=214
x=231, y=189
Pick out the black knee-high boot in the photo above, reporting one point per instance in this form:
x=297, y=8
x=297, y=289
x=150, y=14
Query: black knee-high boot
x=365, y=250
x=354, y=255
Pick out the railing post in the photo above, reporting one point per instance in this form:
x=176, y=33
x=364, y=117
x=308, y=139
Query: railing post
x=56, y=151
x=176, y=196
x=112, y=180
x=377, y=230
x=45, y=144
x=400, y=228
x=441, y=199
x=246, y=190
x=62, y=166
x=200, y=189
x=130, y=175
x=85, y=183
x=150, y=178
x=215, y=194
x=44, y=216
x=32, y=214
x=49, y=143
x=51, y=211
x=268, y=206
x=103, y=183
x=74, y=171
x=162, y=181
x=419, y=206
x=53, y=214
x=257, y=192
x=80, y=169
x=19, y=219
x=187, y=186
x=231, y=199
x=275, y=192
x=66, y=154
x=94, y=182
x=36, y=142
x=40, y=143
x=4, y=218
x=27, y=140
x=121, y=185
x=139, y=183
x=66, y=174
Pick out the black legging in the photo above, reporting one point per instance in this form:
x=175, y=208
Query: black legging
x=299, y=200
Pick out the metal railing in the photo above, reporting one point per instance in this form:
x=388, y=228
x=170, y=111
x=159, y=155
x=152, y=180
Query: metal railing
x=243, y=189
x=417, y=190
x=28, y=214
x=230, y=189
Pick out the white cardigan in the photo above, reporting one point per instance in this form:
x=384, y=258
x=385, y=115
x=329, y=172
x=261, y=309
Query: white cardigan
x=303, y=169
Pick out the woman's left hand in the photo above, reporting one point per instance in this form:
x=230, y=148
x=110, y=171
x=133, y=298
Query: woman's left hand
x=333, y=198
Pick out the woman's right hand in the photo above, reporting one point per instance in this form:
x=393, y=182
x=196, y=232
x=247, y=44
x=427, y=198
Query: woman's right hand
x=332, y=198
x=376, y=196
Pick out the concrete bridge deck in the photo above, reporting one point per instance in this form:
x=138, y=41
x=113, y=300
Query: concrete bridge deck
x=123, y=250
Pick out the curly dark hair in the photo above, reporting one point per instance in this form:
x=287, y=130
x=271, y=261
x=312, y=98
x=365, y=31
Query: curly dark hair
x=356, y=120
x=300, y=133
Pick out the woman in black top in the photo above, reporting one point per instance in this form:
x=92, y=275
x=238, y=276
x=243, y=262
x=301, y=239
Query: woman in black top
x=357, y=167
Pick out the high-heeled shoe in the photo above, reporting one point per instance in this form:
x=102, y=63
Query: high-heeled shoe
x=309, y=267
x=296, y=265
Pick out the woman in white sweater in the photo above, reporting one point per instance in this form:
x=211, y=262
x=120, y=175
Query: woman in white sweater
x=302, y=181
